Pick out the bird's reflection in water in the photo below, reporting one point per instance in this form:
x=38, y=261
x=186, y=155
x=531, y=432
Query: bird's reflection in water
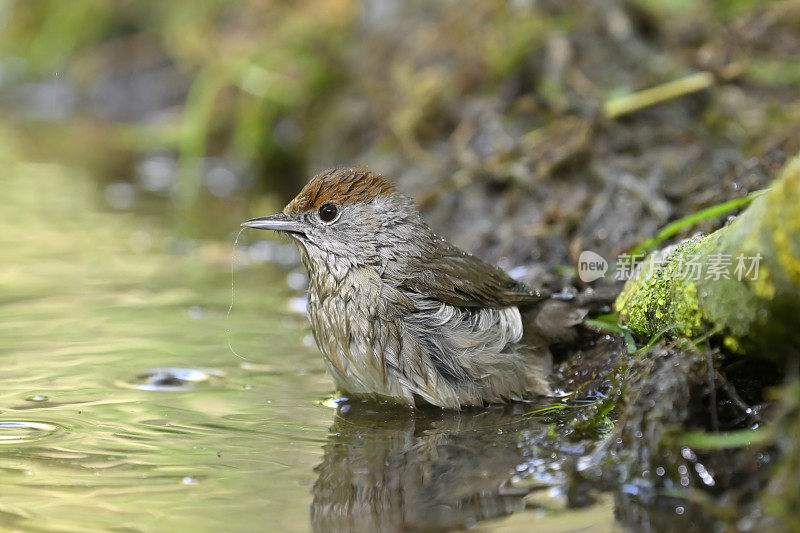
x=392, y=469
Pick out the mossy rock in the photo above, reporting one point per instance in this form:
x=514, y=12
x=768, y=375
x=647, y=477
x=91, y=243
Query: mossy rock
x=742, y=281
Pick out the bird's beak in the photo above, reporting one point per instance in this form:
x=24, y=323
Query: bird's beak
x=277, y=222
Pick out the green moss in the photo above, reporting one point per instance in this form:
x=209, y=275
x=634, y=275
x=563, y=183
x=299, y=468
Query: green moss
x=753, y=309
x=662, y=297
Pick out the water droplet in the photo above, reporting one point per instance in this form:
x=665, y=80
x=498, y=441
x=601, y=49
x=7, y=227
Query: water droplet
x=688, y=454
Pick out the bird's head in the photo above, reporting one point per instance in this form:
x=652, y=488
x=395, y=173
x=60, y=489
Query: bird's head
x=348, y=216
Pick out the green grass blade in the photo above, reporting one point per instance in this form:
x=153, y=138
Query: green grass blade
x=723, y=440
x=710, y=212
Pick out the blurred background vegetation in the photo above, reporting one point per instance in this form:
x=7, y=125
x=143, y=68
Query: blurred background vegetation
x=207, y=112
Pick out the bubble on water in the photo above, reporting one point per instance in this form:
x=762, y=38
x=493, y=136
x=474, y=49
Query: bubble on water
x=37, y=398
x=172, y=379
x=196, y=312
x=16, y=431
x=189, y=480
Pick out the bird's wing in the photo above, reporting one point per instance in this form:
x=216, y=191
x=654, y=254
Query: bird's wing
x=452, y=276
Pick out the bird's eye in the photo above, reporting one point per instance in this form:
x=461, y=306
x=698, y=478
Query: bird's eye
x=328, y=212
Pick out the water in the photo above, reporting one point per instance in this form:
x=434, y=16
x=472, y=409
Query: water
x=123, y=408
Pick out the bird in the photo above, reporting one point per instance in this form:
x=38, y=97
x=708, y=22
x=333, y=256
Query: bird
x=401, y=314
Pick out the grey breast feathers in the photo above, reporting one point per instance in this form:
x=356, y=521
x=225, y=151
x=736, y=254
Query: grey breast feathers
x=466, y=344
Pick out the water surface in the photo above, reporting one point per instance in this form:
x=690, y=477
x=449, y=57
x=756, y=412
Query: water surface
x=122, y=406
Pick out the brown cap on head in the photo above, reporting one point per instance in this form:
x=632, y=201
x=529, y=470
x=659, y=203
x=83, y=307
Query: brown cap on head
x=339, y=186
